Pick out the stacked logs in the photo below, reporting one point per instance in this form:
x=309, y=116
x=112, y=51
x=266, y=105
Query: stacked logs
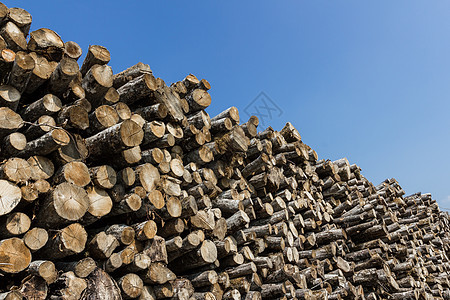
x=119, y=186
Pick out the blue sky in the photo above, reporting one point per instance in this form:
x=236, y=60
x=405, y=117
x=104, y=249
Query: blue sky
x=366, y=81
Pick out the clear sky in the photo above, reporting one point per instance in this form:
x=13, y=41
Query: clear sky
x=369, y=81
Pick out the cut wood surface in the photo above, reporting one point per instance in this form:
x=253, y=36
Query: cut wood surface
x=120, y=186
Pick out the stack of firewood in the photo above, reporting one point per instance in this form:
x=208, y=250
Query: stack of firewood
x=120, y=186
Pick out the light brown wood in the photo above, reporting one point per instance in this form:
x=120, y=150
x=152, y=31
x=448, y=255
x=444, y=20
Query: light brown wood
x=68, y=241
x=47, y=43
x=97, y=55
x=13, y=36
x=14, y=255
x=72, y=50
x=67, y=202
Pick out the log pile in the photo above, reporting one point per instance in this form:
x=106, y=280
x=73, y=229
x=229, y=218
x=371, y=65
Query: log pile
x=119, y=186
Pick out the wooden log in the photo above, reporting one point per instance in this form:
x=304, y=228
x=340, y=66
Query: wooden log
x=13, y=36
x=47, y=43
x=67, y=241
x=73, y=117
x=16, y=223
x=7, y=58
x=97, y=55
x=100, y=286
x=66, y=203
x=206, y=254
x=131, y=285
x=62, y=76
x=72, y=50
x=33, y=288
x=68, y=286
x=158, y=273
x=103, y=176
x=14, y=255
x=129, y=74
x=140, y=263
x=156, y=111
x=102, y=118
x=47, y=105
x=123, y=233
x=122, y=110
x=9, y=97
x=75, y=150
x=145, y=230
x=102, y=245
x=46, y=144
x=100, y=204
x=137, y=88
x=166, y=96
x=113, y=263
x=9, y=121
x=75, y=172
x=21, y=18
x=156, y=250
x=35, y=238
x=189, y=243
x=96, y=83
x=42, y=126
x=10, y=196
x=44, y=269
x=163, y=291
x=232, y=113
x=11, y=295
x=21, y=72
x=16, y=170
x=118, y=137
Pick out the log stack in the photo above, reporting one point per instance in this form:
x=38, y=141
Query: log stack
x=119, y=186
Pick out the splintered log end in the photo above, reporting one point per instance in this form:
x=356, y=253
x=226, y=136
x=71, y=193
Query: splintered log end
x=47, y=43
